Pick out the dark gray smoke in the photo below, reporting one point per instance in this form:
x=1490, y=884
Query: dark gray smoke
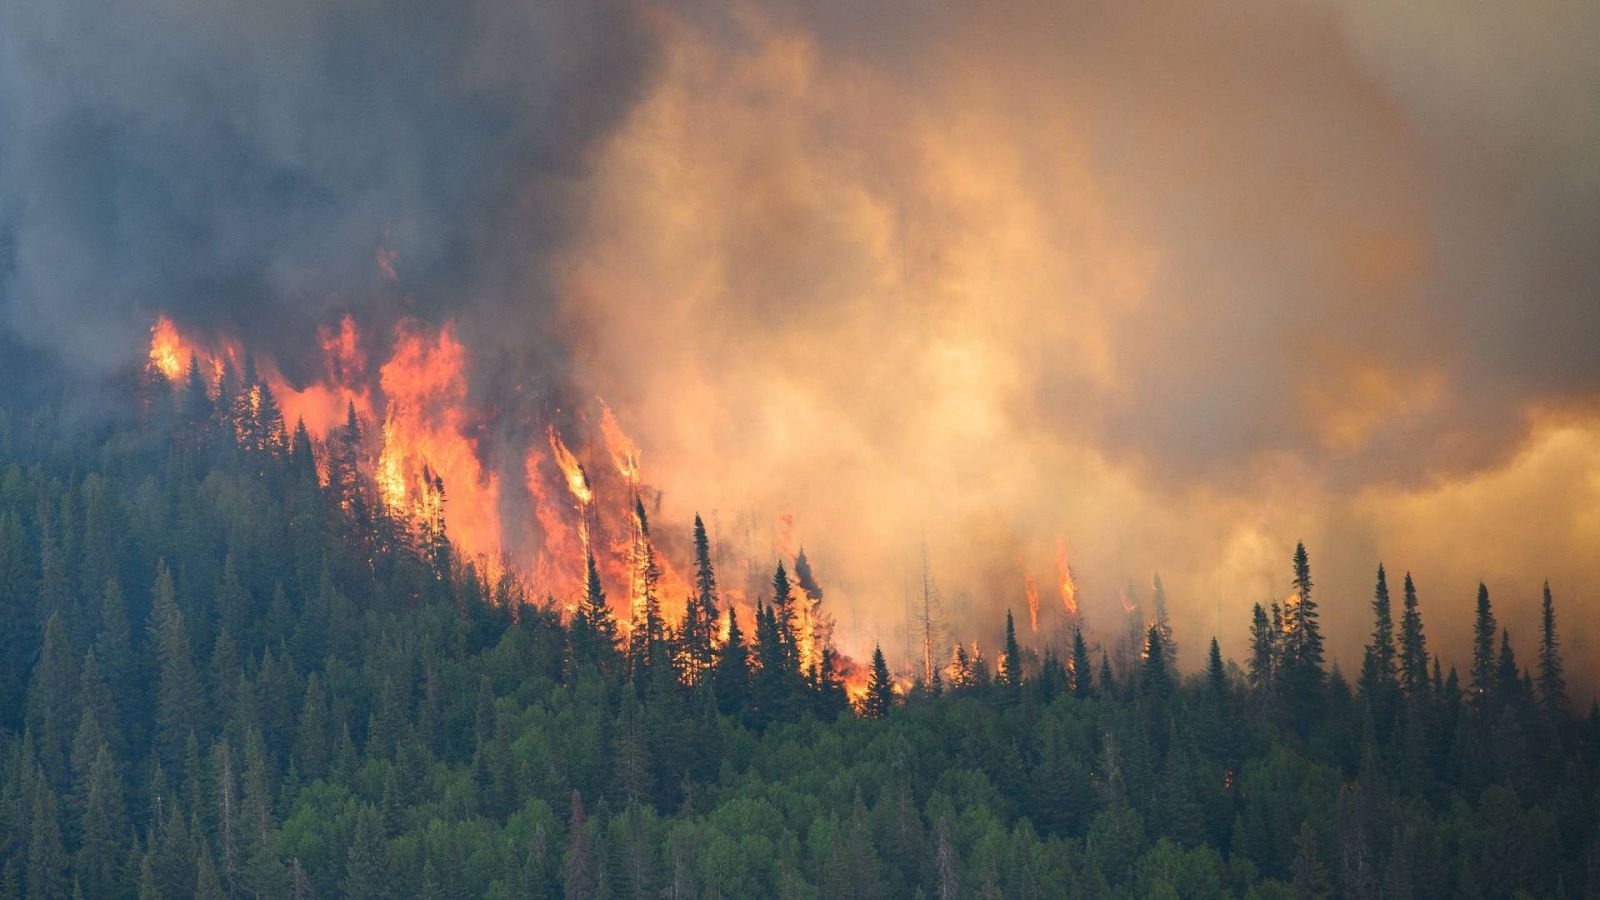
x=242, y=165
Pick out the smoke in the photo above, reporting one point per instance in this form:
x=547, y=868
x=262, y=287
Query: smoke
x=244, y=167
x=1182, y=283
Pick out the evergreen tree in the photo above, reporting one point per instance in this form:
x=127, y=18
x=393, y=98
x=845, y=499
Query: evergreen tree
x=1216, y=675
x=100, y=860
x=1155, y=680
x=47, y=857
x=579, y=876
x=1484, y=673
x=1163, y=621
x=1552, y=683
x=879, y=697
x=593, y=632
x=1302, y=635
x=53, y=700
x=1010, y=670
x=1263, y=671
x=1508, y=680
x=732, y=675
x=179, y=701
x=1413, y=646
x=701, y=653
x=1378, y=681
x=645, y=627
x=785, y=620
x=369, y=867
x=1082, y=683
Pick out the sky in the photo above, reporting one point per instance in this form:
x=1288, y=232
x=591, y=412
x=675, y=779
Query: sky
x=1182, y=284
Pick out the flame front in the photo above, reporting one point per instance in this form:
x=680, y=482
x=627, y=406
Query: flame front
x=167, y=354
x=422, y=444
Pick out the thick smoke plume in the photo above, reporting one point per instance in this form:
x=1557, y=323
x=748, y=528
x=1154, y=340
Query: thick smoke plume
x=1181, y=283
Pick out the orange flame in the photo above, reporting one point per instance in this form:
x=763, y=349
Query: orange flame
x=624, y=452
x=1067, y=583
x=425, y=385
x=1033, y=602
x=577, y=481
x=167, y=355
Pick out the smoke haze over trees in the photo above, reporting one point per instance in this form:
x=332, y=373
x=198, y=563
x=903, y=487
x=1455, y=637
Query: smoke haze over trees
x=1181, y=284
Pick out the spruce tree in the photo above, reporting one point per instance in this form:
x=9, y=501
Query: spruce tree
x=1263, y=665
x=1484, y=674
x=579, y=875
x=1552, y=683
x=732, y=676
x=1216, y=675
x=593, y=633
x=1155, y=679
x=1378, y=683
x=1302, y=644
x=1082, y=680
x=1413, y=645
x=875, y=704
x=179, y=701
x=1163, y=621
x=369, y=866
x=1010, y=670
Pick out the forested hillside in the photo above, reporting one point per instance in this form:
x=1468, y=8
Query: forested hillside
x=227, y=673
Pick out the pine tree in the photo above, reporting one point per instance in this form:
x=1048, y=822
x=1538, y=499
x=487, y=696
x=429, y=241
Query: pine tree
x=1082, y=681
x=1484, y=674
x=179, y=701
x=773, y=685
x=369, y=866
x=1413, y=646
x=579, y=877
x=47, y=858
x=875, y=704
x=1552, y=683
x=732, y=676
x=784, y=618
x=100, y=859
x=1378, y=683
x=1263, y=666
x=311, y=743
x=701, y=652
x=1155, y=680
x=645, y=627
x=1216, y=675
x=1163, y=621
x=593, y=633
x=1508, y=679
x=1302, y=644
x=53, y=700
x=1010, y=670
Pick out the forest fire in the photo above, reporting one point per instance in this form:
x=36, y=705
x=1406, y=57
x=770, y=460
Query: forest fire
x=421, y=441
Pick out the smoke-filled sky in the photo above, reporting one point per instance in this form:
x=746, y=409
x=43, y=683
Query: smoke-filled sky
x=1184, y=283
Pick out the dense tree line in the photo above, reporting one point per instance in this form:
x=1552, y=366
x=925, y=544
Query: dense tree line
x=227, y=671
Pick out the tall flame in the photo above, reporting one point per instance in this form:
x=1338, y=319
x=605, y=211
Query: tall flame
x=624, y=452
x=1064, y=577
x=425, y=386
x=1033, y=602
x=167, y=355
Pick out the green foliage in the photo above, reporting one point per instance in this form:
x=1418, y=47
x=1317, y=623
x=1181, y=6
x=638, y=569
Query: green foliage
x=224, y=676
